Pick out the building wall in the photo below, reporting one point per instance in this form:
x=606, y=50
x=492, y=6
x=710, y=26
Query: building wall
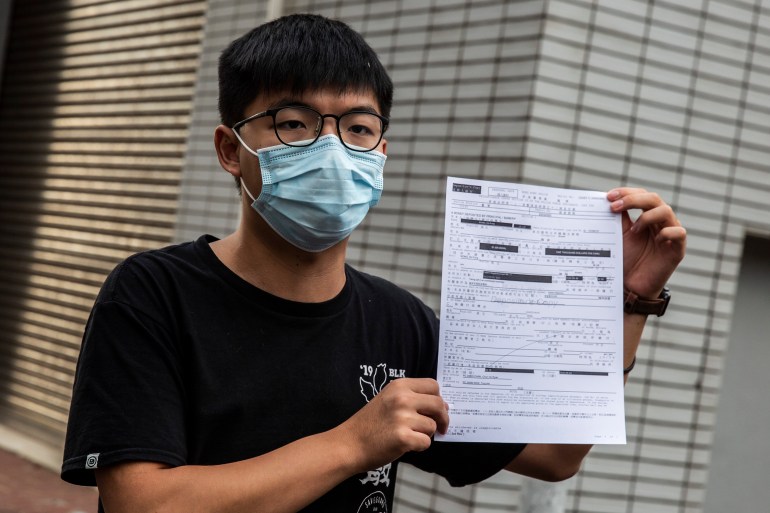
x=670, y=96
x=673, y=97
x=741, y=449
x=94, y=109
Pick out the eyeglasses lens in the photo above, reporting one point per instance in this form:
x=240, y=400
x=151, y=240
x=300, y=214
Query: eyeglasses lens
x=360, y=131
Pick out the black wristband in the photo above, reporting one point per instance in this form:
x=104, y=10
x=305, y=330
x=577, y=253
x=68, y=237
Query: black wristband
x=631, y=366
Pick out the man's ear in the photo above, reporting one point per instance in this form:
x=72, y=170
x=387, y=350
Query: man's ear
x=227, y=146
x=384, y=149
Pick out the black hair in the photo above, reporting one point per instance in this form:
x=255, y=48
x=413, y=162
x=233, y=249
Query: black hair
x=298, y=53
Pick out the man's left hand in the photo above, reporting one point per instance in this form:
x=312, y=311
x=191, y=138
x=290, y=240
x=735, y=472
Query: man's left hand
x=653, y=245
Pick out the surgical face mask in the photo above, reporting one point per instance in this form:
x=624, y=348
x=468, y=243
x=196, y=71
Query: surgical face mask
x=315, y=196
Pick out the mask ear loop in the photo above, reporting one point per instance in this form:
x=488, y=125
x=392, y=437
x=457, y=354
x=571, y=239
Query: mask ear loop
x=238, y=136
x=251, y=196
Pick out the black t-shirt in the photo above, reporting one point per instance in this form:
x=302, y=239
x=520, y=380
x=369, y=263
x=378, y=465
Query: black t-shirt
x=183, y=362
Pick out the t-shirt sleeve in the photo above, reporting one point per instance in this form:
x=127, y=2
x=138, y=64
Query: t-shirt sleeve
x=128, y=395
x=464, y=463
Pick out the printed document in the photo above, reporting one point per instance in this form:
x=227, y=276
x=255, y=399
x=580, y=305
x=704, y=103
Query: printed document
x=531, y=315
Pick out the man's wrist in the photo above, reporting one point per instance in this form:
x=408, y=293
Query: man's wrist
x=634, y=304
x=344, y=451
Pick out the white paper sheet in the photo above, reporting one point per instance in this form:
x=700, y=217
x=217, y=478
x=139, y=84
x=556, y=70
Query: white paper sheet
x=531, y=315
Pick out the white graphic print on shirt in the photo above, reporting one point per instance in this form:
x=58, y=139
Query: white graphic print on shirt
x=371, y=383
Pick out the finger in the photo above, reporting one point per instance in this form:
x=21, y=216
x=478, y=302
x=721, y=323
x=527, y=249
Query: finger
x=430, y=405
x=641, y=200
x=621, y=192
x=422, y=397
x=414, y=432
x=627, y=221
x=418, y=441
x=675, y=237
x=672, y=234
x=439, y=414
x=402, y=397
x=662, y=215
x=425, y=425
x=443, y=426
x=419, y=385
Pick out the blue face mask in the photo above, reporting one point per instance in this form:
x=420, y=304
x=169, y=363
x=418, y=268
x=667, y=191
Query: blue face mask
x=315, y=196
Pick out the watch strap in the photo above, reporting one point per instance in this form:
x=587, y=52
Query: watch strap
x=633, y=304
x=631, y=366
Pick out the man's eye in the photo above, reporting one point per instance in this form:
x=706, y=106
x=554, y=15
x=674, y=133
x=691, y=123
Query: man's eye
x=291, y=124
x=360, y=130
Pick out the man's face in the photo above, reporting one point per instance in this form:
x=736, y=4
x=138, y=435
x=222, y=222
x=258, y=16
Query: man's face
x=260, y=133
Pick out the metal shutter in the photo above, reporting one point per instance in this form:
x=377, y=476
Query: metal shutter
x=94, y=112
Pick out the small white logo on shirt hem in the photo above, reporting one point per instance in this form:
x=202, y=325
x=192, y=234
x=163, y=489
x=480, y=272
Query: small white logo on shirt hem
x=92, y=460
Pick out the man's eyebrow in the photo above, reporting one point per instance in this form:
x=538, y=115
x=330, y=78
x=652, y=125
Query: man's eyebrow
x=292, y=102
x=365, y=108
x=288, y=102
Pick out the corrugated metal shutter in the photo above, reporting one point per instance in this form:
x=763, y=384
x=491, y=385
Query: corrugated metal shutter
x=94, y=113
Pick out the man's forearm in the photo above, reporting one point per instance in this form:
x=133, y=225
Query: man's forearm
x=274, y=482
x=402, y=417
x=556, y=462
x=549, y=462
x=633, y=325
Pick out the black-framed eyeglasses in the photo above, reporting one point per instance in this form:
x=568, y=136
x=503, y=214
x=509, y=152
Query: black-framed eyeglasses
x=301, y=126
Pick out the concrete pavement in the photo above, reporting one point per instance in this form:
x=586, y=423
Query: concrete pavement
x=26, y=487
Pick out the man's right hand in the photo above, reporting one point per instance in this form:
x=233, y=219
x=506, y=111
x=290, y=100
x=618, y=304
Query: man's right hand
x=401, y=418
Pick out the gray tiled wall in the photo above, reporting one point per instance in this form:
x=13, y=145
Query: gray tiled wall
x=671, y=96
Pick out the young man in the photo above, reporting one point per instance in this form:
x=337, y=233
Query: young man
x=259, y=372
